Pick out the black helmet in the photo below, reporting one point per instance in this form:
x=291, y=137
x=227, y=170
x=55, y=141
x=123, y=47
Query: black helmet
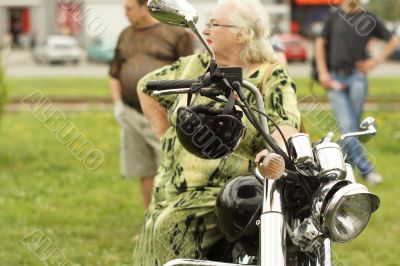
x=209, y=133
x=238, y=207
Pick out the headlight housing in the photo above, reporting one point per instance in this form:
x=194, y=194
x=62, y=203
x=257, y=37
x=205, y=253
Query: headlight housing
x=341, y=210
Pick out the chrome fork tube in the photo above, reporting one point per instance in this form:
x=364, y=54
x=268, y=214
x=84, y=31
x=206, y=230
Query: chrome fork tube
x=325, y=253
x=272, y=231
x=323, y=257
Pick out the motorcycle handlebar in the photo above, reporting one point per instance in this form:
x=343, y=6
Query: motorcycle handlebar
x=159, y=85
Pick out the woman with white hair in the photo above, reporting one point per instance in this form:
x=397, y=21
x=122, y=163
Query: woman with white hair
x=180, y=221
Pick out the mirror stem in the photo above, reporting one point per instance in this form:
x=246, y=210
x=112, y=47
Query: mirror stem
x=370, y=131
x=193, y=27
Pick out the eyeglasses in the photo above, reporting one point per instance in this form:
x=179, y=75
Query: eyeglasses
x=212, y=25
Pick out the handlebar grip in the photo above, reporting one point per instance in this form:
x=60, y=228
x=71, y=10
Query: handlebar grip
x=159, y=85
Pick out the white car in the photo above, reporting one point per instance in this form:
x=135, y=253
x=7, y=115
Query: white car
x=58, y=48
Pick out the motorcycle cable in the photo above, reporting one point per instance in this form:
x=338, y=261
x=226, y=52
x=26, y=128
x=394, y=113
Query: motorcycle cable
x=273, y=122
x=270, y=141
x=291, y=173
x=214, y=75
x=299, y=179
x=276, y=126
x=247, y=110
x=212, y=93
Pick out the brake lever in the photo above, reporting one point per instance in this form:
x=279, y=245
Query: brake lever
x=212, y=91
x=171, y=91
x=206, y=92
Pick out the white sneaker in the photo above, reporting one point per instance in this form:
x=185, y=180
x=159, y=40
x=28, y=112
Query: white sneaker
x=374, y=178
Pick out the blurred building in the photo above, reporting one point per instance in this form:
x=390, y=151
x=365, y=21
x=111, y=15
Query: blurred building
x=308, y=16
x=31, y=21
x=278, y=10
x=21, y=18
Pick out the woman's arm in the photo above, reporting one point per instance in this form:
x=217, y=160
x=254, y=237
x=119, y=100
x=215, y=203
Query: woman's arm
x=155, y=107
x=155, y=114
x=281, y=106
x=287, y=131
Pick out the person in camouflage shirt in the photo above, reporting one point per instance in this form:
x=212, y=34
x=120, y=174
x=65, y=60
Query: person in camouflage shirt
x=180, y=221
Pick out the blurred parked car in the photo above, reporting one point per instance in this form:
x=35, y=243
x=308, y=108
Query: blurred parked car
x=396, y=54
x=376, y=47
x=58, y=48
x=101, y=50
x=295, y=46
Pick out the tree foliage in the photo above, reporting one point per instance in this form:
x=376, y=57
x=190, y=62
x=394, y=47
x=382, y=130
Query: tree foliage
x=385, y=9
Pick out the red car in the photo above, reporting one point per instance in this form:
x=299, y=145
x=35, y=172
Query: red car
x=296, y=47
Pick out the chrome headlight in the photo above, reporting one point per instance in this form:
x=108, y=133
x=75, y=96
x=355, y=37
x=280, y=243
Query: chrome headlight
x=341, y=210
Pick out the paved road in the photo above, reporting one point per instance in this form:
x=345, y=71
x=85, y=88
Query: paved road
x=20, y=64
x=387, y=69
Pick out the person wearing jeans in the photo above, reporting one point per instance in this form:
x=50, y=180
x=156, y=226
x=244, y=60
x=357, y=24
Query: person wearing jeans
x=343, y=43
x=347, y=106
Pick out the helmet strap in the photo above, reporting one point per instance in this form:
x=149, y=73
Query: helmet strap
x=230, y=104
x=229, y=107
x=214, y=75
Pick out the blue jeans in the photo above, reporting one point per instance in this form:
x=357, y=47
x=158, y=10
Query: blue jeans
x=348, y=106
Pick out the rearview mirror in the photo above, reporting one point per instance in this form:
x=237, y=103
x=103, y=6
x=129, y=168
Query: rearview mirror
x=367, y=125
x=178, y=13
x=367, y=130
x=174, y=12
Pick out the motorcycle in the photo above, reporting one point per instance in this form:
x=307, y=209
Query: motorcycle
x=307, y=198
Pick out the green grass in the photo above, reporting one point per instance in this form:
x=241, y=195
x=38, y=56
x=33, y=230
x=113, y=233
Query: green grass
x=91, y=216
x=59, y=87
x=383, y=88
x=3, y=90
x=91, y=88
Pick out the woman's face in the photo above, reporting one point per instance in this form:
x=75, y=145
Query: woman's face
x=218, y=32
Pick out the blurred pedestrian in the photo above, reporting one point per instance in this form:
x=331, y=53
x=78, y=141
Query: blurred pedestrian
x=16, y=30
x=342, y=65
x=142, y=47
x=279, y=49
x=33, y=39
x=6, y=43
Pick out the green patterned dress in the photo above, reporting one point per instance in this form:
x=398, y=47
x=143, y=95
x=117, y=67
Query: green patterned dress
x=180, y=221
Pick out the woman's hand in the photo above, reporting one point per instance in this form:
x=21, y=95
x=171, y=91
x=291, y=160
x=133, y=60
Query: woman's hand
x=260, y=156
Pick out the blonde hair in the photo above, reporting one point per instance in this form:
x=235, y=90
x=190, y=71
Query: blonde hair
x=252, y=23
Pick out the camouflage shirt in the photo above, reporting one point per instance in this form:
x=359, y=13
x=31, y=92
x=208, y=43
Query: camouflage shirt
x=180, y=222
